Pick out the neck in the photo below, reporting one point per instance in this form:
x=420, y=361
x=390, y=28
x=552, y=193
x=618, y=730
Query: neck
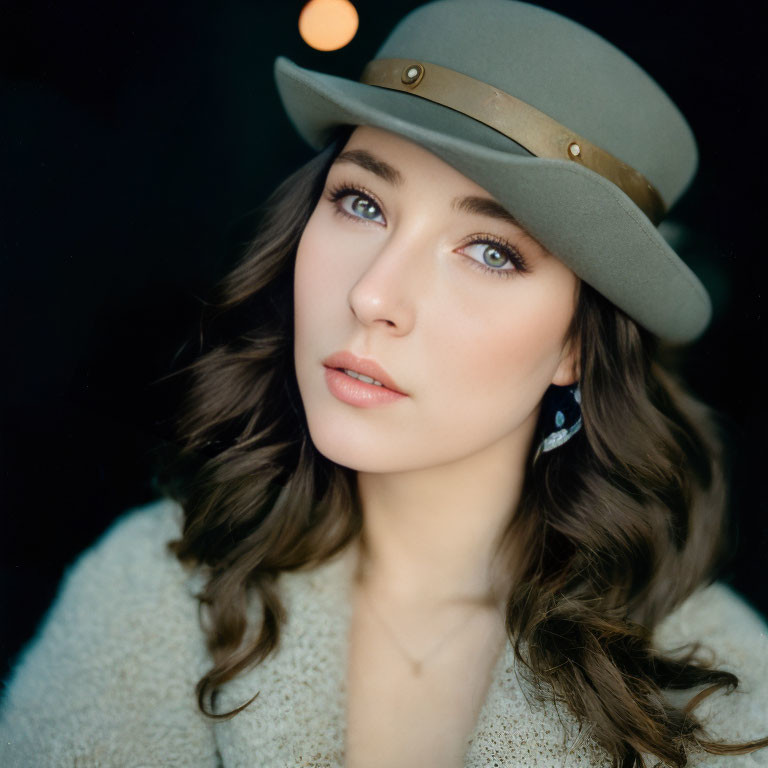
x=430, y=535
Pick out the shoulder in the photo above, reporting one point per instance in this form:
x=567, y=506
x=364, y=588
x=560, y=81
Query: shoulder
x=733, y=637
x=135, y=542
x=128, y=574
x=112, y=670
x=724, y=623
x=133, y=551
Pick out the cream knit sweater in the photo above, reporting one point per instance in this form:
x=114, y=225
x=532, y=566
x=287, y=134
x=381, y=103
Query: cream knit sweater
x=109, y=680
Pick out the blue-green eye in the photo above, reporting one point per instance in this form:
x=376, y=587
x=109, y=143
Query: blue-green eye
x=492, y=257
x=356, y=203
x=363, y=207
x=487, y=253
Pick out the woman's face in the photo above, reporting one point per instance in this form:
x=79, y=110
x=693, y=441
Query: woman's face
x=411, y=274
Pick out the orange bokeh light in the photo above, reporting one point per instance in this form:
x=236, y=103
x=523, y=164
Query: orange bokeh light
x=328, y=25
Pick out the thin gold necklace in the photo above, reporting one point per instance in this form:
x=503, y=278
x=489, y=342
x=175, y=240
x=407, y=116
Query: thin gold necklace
x=416, y=664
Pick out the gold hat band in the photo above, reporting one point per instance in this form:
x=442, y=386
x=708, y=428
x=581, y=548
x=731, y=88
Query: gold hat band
x=538, y=133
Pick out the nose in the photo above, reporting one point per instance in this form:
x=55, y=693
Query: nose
x=385, y=294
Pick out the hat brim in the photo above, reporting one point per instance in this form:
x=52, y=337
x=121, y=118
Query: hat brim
x=582, y=218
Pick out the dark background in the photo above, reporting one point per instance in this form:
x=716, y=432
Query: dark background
x=138, y=140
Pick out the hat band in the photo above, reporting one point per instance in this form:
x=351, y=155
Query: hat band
x=527, y=126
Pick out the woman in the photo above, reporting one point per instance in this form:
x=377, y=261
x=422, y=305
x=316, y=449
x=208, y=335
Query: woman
x=440, y=505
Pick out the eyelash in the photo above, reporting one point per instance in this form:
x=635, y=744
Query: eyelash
x=342, y=190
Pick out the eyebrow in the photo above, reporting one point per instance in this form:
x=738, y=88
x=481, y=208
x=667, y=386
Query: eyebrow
x=370, y=163
x=472, y=204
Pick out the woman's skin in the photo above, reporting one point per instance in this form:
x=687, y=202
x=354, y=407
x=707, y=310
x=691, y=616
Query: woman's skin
x=400, y=272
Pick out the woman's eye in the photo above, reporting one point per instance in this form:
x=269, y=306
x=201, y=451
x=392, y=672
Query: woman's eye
x=491, y=256
x=361, y=207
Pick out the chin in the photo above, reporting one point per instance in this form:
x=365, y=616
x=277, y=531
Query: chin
x=375, y=452
x=345, y=447
x=359, y=439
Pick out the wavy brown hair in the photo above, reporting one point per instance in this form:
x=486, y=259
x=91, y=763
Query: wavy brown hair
x=615, y=529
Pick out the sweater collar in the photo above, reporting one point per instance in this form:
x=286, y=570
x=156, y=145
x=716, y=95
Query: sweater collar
x=299, y=715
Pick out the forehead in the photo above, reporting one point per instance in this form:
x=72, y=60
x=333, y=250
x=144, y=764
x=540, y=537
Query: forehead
x=406, y=161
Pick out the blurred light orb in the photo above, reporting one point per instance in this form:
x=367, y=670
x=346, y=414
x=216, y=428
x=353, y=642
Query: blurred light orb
x=328, y=25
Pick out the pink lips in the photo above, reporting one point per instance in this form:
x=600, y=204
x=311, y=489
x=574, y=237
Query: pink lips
x=355, y=392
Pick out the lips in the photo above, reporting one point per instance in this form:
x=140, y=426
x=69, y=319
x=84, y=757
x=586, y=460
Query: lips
x=347, y=361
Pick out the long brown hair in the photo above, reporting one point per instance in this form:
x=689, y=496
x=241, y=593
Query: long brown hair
x=615, y=528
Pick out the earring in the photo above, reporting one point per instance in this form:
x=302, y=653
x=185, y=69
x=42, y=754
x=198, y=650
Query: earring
x=560, y=416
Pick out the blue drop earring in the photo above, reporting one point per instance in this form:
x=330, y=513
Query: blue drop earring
x=560, y=415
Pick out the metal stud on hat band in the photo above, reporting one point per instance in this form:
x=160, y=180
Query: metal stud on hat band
x=538, y=133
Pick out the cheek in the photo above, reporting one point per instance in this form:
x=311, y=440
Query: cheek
x=502, y=354
x=312, y=279
x=308, y=308
x=320, y=285
x=328, y=263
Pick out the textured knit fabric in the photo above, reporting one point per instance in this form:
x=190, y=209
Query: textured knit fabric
x=109, y=680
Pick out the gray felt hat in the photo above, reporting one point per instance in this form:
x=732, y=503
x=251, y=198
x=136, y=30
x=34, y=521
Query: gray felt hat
x=562, y=128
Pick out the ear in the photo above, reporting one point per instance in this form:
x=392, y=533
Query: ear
x=569, y=370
